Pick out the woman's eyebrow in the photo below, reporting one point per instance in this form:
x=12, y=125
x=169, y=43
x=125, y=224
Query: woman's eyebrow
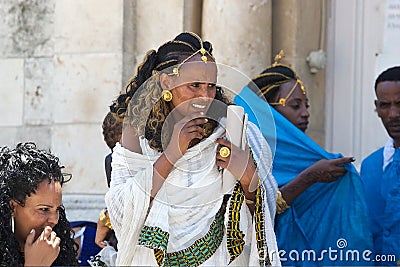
x=45, y=205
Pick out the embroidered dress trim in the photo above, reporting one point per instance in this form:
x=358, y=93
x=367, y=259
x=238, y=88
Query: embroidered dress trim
x=156, y=238
x=260, y=230
x=201, y=250
x=235, y=237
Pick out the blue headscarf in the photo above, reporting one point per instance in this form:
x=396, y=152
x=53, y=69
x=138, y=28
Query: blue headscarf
x=328, y=223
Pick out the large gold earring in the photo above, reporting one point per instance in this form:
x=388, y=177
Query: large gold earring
x=166, y=95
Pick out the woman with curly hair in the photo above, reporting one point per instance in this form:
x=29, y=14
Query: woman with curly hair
x=34, y=229
x=166, y=201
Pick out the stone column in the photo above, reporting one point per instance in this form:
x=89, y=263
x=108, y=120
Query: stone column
x=240, y=32
x=298, y=29
x=156, y=22
x=192, y=16
x=128, y=40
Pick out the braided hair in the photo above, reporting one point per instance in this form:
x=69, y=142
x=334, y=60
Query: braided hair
x=268, y=82
x=146, y=110
x=21, y=171
x=390, y=75
x=112, y=130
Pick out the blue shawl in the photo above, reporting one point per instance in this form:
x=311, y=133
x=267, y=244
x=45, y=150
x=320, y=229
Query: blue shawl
x=328, y=223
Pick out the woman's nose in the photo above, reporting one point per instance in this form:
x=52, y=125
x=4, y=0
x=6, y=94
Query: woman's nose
x=202, y=91
x=53, y=219
x=304, y=112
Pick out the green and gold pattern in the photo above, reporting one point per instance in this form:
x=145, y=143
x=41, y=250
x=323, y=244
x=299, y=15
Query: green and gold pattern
x=156, y=238
x=201, y=250
x=235, y=237
x=259, y=225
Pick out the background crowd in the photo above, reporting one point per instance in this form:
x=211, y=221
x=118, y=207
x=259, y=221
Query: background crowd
x=56, y=57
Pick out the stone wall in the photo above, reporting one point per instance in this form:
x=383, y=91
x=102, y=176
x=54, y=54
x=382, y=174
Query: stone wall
x=62, y=62
x=298, y=29
x=60, y=67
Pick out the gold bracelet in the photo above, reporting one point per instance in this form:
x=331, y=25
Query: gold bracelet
x=105, y=219
x=281, y=204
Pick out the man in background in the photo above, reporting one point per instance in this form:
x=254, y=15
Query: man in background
x=380, y=171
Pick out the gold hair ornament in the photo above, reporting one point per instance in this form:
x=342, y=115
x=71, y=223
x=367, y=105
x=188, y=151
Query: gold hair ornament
x=166, y=95
x=202, y=51
x=278, y=57
x=282, y=101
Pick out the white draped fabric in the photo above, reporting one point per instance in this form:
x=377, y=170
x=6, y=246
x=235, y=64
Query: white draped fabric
x=186, y=207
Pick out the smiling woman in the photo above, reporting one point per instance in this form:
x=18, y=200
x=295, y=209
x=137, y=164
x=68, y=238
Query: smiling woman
x=34, y=229
x=194, y=89
x=166, y=200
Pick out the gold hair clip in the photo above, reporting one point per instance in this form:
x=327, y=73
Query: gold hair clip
x=203, y=52
x=278, y=57
x=302, y=87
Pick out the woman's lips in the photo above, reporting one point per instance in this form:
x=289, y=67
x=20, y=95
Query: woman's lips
x=303, y=125
x=199, y=106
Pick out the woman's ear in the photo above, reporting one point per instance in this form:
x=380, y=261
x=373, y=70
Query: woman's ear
x=13, y=204
x=165, y=81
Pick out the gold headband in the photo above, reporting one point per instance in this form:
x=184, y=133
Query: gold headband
x=202, y=51
x=282, y=101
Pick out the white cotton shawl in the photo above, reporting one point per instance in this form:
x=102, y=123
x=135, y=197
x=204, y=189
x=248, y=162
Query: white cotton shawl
x=186, y=204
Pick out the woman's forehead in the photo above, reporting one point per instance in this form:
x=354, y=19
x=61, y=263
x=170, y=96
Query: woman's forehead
x=287, y=86
x=46, y=193
x=198, y=70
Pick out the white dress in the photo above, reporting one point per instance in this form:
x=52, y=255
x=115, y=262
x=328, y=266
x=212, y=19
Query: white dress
x=191, y=222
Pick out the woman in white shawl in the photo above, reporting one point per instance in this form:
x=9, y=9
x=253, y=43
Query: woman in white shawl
x=166, y=200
